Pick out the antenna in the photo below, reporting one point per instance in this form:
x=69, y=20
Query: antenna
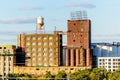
x=78, y=15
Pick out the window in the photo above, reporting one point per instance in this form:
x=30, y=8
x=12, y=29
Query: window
x=28, y=54
x=73, y=40
x=33, y=54
x=4, y=68
x=33, y=64
x=39, y=49
x=37, y=68
x=50, y=43
x=113, y=59
x=114, y=66
x=33, y=43
x=33, y=49
x=39, y=38
x=27, y=49
x=39, y=54
x=4, y=64
x=4, y=47
x=39, y=43
x=39, y=58
x=50, y=38
x=109, y=63
x=9, y=58
x=113, y=69
x=50, y=49
x=56, y=38
x=45, y=54
x=51, y=59
x=45, y=38
x=28, y=43
x=45, y=59
x=34, y=38
x=109, y=66
x=50, y=54
x=33, y=59
x=45, y=43
x=109, y=59
x=28, y=38
x=71, y=68
x=45, y=49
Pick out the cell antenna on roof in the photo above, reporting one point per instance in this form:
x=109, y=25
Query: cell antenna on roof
x=78, y=15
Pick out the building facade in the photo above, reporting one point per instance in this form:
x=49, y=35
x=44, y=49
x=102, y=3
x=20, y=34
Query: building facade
x=7, y=59
x=78, y=43
x=109, y=63
x=41, y=49
x=42, y=70
x=105, y=50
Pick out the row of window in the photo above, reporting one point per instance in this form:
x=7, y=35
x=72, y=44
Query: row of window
x=41, y=43
x=42, y=38
x=117, y=63
x=2, y=47
x=42, y=49
x=43, y=59
x=45, y=64
x=109, y=59
x=109, y=66
x=40, y=54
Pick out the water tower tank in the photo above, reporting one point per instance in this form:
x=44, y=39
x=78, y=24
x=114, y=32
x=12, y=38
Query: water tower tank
x=40, y=21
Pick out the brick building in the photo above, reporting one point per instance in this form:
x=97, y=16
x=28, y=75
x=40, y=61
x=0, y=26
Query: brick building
x=78, y=43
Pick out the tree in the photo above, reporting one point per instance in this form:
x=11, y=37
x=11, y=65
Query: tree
x=12, y=76
x=61, y=75
x=48, y=75
x=116, y=75
x=81, y=75
x=98, y=74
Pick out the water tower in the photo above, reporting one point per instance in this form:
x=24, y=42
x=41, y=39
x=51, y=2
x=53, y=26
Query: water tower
x=39, y=25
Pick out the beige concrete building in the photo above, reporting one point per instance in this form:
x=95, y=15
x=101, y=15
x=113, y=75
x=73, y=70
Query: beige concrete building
x=6, y=59
x=41, y=49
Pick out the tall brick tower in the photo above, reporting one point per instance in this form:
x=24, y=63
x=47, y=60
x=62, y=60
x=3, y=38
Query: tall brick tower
x=78, y=40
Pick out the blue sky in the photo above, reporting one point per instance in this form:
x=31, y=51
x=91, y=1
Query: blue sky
x=17, y=16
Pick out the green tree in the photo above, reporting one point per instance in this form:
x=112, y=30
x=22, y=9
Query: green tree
x=61, y=75
x=116, y=75
x=12, y=76
x=81, y=75
x=98, y=74
x=47, y=76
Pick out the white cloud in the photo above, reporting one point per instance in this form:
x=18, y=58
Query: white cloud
x=17, y=20
x=84, y=5
x=30, y=8
x=106, y=38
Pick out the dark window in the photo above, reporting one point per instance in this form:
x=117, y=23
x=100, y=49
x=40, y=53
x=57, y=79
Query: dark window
x=4, y=74
x=37, y=68
x=113, y=69
x=73, y=40
x=109, y=59
x=71, y=68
